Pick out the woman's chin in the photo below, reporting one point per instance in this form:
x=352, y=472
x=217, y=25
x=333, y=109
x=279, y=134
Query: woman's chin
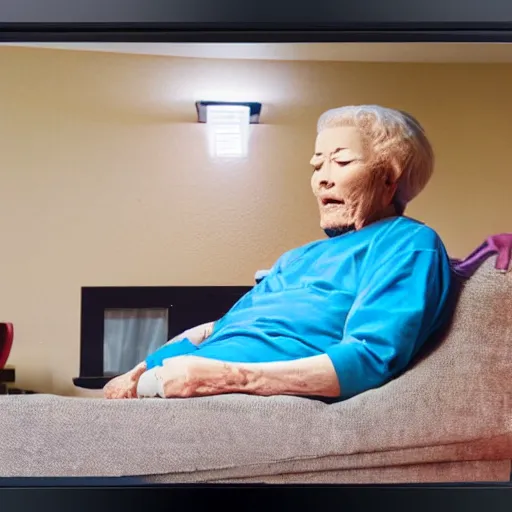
x=332, y=230
x=332, y=224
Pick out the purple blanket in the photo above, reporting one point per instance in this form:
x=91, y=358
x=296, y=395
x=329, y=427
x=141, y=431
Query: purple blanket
x=501, y=245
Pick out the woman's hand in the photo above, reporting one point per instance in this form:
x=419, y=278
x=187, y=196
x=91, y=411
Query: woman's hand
x=124, y=386
x=190, y=376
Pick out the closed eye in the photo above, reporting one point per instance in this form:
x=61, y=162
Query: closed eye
x=318, y=166
x=317, y=161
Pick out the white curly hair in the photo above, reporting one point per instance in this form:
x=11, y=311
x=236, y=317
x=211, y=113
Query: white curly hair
x=399, y=145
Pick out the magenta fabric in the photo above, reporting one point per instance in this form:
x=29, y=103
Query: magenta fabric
x=501, y=245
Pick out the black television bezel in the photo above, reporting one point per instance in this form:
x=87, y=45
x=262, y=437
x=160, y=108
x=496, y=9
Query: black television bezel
x=258, y=21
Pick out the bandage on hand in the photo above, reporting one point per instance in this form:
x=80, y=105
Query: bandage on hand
x=150, y=385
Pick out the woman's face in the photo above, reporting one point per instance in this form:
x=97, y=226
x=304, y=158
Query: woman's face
x=351, y=189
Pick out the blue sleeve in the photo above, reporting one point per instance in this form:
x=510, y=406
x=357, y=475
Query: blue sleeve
x=398, y=305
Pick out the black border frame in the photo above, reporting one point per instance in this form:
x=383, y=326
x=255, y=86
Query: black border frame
x=286, y=14
x=64, y=497
x=384, y=33
x=259, y=21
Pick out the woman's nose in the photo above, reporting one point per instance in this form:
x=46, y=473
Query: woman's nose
x=324, y=183
x=325, y=177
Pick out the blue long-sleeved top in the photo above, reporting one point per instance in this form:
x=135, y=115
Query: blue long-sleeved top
x=368, y=299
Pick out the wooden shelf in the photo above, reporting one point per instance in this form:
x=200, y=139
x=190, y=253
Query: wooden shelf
x=92, y=382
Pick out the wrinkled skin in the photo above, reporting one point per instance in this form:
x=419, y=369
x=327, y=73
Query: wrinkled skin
x=189, y=376
x=351, y=188
x=124, y=386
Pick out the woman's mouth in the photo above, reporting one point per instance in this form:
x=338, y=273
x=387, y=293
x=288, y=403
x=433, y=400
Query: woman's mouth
x=332, y=202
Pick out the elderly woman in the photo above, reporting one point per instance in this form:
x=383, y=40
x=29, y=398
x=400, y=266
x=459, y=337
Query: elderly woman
x=338, y=316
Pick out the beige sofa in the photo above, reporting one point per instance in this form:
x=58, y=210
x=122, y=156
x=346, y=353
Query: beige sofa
x=447, y=419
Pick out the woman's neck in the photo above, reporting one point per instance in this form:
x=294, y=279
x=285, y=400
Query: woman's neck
x=389, y=211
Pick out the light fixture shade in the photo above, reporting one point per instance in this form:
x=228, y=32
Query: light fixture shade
x=202, y=107
x=228, y=130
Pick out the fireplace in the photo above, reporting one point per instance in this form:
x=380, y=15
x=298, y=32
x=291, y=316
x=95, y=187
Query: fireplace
x=120, y=326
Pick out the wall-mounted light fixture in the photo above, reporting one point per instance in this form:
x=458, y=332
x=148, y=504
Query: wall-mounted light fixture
x=228, y=126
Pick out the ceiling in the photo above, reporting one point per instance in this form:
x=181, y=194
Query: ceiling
x=350, y=52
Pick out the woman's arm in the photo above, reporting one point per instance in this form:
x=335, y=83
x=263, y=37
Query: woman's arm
x=196, y=334
x=190, y=376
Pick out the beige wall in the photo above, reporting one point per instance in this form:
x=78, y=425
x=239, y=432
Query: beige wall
x=105, y=177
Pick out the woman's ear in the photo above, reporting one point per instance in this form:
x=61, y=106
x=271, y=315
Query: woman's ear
x=391, y=185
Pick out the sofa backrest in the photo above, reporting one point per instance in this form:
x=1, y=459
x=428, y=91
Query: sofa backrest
x=478, y=339
x=460, y=388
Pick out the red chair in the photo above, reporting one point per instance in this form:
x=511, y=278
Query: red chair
x=6, y=339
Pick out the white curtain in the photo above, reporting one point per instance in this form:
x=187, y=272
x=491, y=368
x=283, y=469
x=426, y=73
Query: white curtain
x=130, y=335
